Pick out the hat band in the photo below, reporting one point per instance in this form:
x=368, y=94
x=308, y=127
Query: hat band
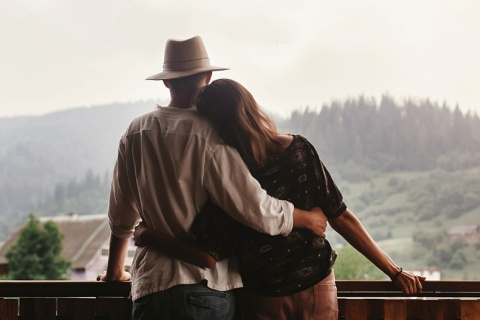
x=186, y=65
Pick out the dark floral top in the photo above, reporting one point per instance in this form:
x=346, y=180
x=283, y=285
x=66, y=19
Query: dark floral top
x=278, y=265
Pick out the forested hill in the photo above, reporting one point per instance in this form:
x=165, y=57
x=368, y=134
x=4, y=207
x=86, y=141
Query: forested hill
x=390, y=136
x=47, y=163
x=39, y=152
x=69, y=142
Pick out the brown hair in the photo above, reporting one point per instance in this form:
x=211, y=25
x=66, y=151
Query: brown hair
x=240, y=121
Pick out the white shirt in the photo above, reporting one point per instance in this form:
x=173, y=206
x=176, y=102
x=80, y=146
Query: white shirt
x=169, y=162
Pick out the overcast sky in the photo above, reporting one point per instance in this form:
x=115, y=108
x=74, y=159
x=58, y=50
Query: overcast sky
x=58, y=54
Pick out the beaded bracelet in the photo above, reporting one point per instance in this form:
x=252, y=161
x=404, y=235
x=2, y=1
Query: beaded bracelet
x=396, y=276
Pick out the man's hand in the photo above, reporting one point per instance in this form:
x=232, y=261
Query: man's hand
x=314, y=220
x=319, y=222
x=125, y=276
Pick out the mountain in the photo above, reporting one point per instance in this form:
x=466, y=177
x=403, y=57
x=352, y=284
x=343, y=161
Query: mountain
x=38, y=152
x=74, y=140
x=409, y=171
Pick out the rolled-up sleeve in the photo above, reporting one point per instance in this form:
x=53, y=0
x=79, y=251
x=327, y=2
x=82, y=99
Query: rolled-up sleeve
x=231, y=186
x=123, y=214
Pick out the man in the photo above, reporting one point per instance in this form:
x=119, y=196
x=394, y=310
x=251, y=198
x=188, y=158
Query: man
x=170, y=161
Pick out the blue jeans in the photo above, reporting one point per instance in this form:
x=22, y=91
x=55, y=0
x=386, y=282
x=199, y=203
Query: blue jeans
x=182, y=302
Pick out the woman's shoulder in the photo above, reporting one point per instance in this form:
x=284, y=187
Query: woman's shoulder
x=285, y=139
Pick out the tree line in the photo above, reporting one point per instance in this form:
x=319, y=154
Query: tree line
x=353, y=138
x=356, y=138
x=415, y=135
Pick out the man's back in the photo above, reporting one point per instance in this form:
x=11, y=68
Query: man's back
x=164, y=156
x=170, y=162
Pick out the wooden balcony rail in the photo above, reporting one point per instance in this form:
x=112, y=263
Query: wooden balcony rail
x=440, y=300
x=362, y=300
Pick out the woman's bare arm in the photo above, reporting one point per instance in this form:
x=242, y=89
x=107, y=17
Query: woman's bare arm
x=172, y=247
x=352, y=230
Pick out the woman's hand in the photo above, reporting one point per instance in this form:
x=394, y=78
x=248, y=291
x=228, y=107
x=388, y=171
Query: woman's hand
x=169, y=245
x=409, y=282
x=350, y=228
x=140, y=233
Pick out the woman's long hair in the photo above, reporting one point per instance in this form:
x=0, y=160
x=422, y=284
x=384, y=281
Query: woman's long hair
x=240, y=122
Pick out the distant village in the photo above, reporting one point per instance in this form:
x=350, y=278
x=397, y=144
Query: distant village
x=85, y=244
x=86, y=239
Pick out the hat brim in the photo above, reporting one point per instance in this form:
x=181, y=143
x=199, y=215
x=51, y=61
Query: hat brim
x=166, y=75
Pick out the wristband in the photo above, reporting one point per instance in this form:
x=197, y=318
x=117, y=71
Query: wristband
x=396, y=275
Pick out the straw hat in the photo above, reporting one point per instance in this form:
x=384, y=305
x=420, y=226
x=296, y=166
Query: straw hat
x=184, y=58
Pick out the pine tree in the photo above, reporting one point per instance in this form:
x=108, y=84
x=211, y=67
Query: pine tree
x=37, y=253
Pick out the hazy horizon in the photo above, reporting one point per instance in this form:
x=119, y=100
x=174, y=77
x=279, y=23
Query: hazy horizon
x=61, y=55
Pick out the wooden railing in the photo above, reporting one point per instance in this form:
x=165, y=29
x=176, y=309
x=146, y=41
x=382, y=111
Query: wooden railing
x=64, y=300
x=440, y=300
x=72, y=300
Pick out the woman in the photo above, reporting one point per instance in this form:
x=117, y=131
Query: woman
x=284, y=277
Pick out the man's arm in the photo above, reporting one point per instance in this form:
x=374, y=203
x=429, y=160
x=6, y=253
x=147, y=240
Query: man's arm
x=232, y=187
x=122, y=214
x=352, y=230
x=172, y=247
x=116, y=260
x=178, y=249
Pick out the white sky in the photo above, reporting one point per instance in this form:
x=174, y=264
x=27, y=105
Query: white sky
x=58, y=54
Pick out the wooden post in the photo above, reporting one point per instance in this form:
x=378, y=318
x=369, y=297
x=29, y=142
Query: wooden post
x=76, y=308
x=470, y=309
x=356, y=309
x=341, y=309
x=27, y=309
x=395, y=310
x=38, y=308
x=8, y=309
x=113, y=308
x=376, y=309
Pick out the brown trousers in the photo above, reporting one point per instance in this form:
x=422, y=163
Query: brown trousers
x=315, y=303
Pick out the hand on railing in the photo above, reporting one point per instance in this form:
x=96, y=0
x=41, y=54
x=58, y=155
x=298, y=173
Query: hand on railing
x=126, y=276
x=409, y=282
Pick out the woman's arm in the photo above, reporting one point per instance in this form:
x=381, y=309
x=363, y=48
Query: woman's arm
x=172, y=247
x=352, y=230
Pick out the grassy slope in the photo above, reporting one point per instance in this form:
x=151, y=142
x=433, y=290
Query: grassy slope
x=380, y=216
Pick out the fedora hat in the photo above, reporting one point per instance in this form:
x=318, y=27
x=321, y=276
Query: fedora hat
x=184, y=58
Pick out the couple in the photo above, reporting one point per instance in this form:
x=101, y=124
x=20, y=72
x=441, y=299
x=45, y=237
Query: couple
x=177, y=172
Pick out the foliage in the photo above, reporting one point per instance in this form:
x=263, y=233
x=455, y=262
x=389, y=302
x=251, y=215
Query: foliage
x=437, y=249
x=36, y=153
x=37, y=253
x=417, y=135
x=351, y=265
x=424, y=159
x=86, y=196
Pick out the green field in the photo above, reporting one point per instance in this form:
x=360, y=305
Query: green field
x=409, y=213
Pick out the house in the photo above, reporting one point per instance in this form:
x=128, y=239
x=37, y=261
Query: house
x=469, y=233
x=85, y=243
x=431, y=273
